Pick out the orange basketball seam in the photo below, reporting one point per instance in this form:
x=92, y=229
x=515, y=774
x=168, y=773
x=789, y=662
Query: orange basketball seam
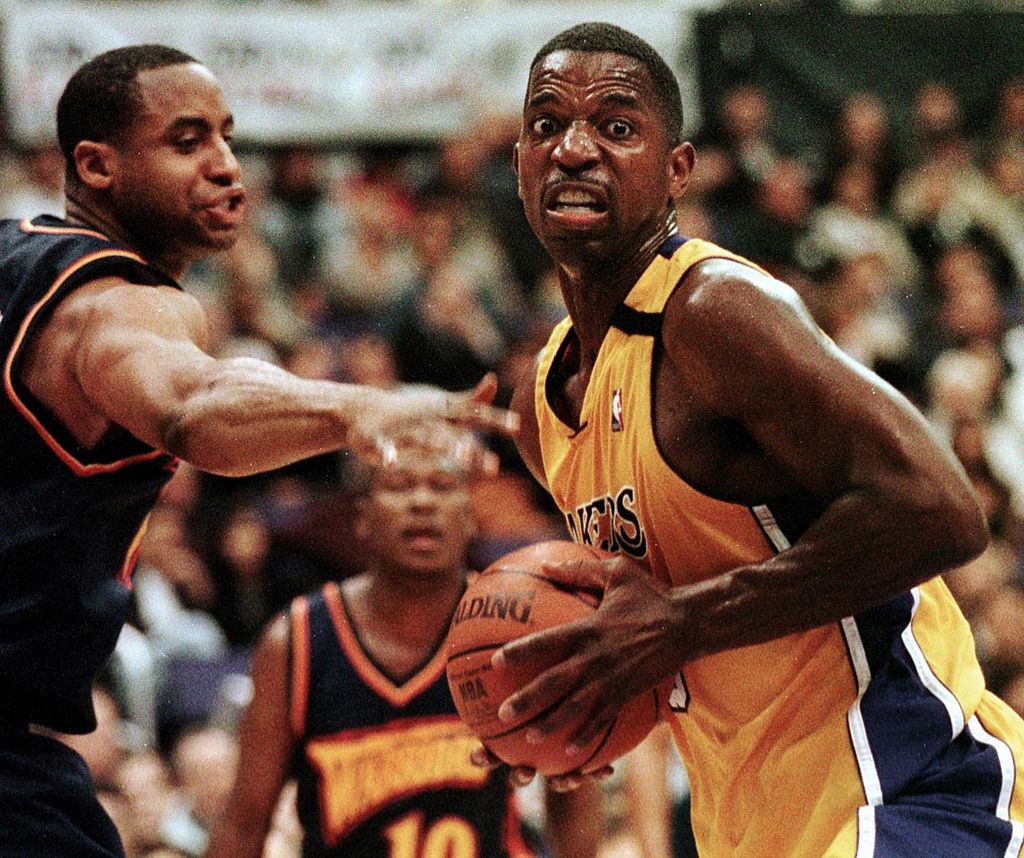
x=521, y=724
x=601, y=744
x=558, y=585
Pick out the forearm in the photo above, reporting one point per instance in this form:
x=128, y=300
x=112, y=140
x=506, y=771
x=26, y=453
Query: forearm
x=863, y=550
x=251, y=416
x=575, y=821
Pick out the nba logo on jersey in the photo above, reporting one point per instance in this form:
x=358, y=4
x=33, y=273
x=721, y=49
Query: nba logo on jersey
x=617, y=410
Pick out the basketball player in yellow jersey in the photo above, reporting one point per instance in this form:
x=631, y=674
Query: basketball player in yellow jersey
x=779, y=513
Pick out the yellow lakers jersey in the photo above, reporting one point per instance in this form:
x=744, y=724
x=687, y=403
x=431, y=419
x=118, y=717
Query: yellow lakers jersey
x=793, y=746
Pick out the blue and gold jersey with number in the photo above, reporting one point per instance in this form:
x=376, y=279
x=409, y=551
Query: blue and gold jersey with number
x=815, y=744
x=71, y=519
x=383, y=766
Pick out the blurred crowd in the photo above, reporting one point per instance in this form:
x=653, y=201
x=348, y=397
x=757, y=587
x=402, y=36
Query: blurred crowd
x=412, y=265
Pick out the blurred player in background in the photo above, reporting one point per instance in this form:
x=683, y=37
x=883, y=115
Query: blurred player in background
x=780, y=513
x=351, y=699
x=105, y=384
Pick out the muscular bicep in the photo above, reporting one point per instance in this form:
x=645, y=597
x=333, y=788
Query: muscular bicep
x=748, y=351
x=137, y=354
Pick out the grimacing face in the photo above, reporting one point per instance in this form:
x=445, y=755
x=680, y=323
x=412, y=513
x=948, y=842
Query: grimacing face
x=177, y=183
x=595, y=162
x=418, y=516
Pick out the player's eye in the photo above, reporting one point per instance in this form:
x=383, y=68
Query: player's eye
x=443, y=483
x=543, y=126
x=187, y=144
x=619, y=128
x=394, y=482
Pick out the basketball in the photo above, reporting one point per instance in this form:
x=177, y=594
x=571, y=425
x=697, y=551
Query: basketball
x=509, y=599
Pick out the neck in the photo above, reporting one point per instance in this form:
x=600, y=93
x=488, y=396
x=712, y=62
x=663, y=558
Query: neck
x=593, y=288
x=413, y=601
x=80, y=210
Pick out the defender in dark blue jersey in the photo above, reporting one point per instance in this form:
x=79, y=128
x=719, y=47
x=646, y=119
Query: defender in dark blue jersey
x=105, y=383
x=351, y=701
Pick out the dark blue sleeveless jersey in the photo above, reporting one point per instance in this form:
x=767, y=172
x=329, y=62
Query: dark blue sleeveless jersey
x=70, y=518
x=383, y=768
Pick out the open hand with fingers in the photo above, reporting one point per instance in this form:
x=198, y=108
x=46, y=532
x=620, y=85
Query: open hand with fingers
x=424, y=419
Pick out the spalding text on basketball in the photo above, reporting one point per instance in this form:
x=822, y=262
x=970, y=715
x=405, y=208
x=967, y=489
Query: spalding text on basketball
x=503, y=606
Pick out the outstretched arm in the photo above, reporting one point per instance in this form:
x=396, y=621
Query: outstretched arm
x=265, y=747
x=135, y=356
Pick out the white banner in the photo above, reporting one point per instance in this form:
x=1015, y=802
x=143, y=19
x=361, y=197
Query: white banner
x=362, y=72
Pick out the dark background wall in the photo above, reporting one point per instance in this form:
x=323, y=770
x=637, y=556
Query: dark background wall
x=807, y=59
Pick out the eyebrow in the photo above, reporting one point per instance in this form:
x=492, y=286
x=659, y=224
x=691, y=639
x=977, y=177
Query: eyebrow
x=198, y=123
x=622, y=99
x=540, y=99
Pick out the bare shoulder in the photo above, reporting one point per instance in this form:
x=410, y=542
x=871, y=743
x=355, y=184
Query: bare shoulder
x=720, y=295
x=121, y=304
x=729, y=325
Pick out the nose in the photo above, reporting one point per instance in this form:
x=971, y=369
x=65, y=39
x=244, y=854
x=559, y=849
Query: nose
x=224, y=168
x=577, y=150
x=422, y=497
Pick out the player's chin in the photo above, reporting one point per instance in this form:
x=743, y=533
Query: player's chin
x=220, y=239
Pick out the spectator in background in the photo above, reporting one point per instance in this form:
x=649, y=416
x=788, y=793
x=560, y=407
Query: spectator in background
x=260, y=313
x=299, y=219
x=1008, y=124
x=964, y=306
x=255, y=576
x=863, y=135
x=772, y=231
x=852, y=221
x=1005, y=170
x=738, y=155
x=855, y=304
x=446, y=329
x=38, y=185
x=375, y=267
x=945, y=198
x=203, y=762
x=145, y=783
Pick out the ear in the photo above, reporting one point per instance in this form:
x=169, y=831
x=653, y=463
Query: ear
x=515, y=168
x=95, y=164
x=680, y=167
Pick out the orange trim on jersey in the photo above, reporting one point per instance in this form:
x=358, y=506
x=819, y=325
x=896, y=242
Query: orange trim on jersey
x=26, y=225
x=300, y=664
x=396, y=695
x=513, y=833
x=131, y=557
x=80, y=469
